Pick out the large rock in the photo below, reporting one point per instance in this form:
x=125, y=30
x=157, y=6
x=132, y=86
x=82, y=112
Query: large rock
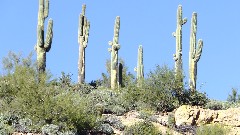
x=230, y=117
x=194, y=115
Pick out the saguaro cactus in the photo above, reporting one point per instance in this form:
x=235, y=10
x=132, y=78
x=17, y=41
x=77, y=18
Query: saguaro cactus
x=115, y=46
x=194, y=53
x=140, y=68
x=83, y=33
x=43, y=46
x=178, y=35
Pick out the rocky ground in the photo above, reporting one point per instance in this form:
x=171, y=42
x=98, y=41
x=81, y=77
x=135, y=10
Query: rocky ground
x=183, y=120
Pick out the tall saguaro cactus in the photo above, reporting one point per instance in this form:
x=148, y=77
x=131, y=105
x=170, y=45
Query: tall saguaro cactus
x=115, y=46
x=140, y=68
x=194, y=53
x=43, y=46
x=83, y=34
x=178, y=35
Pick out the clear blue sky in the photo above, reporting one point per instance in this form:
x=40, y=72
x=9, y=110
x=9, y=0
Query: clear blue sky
x=149, y=23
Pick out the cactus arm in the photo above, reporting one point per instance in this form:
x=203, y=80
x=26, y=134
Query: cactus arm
x=109, y=49
x=83, y=9
x=40, y=38
x=46, y=9
x=80, y=28
x=193, y=34
x=116, y=47
x=116, y=30
x=110, y=43
x=49, y=37
x=175, y=57
x=135, y=69
x=81, y=23
x=87, y=27
x=184, y=21
x=199, y=50
x=40, y=25
x=174, y=34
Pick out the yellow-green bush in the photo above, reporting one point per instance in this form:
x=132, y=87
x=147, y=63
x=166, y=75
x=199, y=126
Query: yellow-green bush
x=27, y=94
x=212, y=129
x=142, y=128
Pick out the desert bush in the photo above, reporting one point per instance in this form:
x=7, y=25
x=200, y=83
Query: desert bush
x=161, y=91
x=171, y=120
x=23, y=125
x=33, y=96
x=156, y=92
x=142, y=128
x=196, y=99
x=6, y=124
x=214, y=129
x=109, y=100
x=215, y=105
x=161, y=86
x=114, y=122
x=221, y=105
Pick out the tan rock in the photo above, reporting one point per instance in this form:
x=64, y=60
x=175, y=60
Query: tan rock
x=194, y=115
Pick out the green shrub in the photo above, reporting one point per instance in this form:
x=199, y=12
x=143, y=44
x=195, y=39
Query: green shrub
x=5, y=124
x=109, y=100
x=221, y=105
x=214, y=129
x=171, y=120
x=142, y=128
x=33, y=96
x=157, y=92
x=215, y=105
x=114, y=121
x=196, y=99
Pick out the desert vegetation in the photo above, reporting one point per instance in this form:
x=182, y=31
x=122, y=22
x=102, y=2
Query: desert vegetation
x=33, y=101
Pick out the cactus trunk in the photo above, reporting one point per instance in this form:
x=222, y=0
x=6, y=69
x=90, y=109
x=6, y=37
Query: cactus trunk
x=115, y=46
x=120, y=75
x=83, y=34
x=140, y=68
x=43, y=46
x=178, y=36
x=194, y=53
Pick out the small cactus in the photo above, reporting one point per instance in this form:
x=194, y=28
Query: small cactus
x=178, y=35
x=140, y=68
x=115, y=46
x=43, y=46
x=83, y=34
x=194, y=53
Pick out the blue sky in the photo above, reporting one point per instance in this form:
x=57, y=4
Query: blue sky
x=149, y=23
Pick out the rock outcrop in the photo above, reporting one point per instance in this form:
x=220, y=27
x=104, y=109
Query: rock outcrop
x=196, y=116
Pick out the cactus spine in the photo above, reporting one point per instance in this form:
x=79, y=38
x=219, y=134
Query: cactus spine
x=115, y=46
x=178, y=35
x=43, y=46
x=194, y=53
x=83, y=34
x=140, y=68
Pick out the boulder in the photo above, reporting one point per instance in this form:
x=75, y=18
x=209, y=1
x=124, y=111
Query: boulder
x=195, y=115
